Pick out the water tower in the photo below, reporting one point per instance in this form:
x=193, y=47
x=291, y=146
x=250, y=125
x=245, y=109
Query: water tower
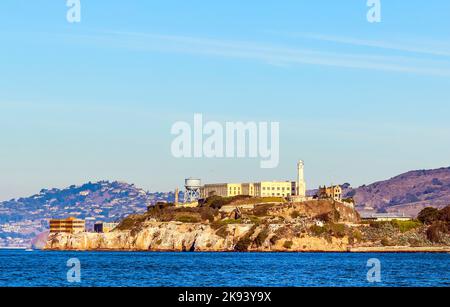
x=192, y=186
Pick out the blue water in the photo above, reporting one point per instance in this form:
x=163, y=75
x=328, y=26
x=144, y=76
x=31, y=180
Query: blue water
x=38, y=268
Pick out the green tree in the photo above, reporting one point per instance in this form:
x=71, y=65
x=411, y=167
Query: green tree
x=428, y=215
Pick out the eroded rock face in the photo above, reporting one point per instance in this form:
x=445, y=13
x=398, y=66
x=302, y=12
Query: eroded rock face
x=174, y=236
x=285, y=227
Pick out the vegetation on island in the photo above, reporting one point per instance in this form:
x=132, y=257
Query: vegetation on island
x=275, y=223
x=288, y=219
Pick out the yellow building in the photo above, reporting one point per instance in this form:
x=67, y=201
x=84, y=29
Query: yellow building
x=258, y=189
x=221, y=189
x=333, y=192
x=275, y=189
x=287, y=189
x=69, y=225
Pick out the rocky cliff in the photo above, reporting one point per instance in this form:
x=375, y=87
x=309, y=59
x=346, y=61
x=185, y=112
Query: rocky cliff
x=258, y=227
x=176, y=236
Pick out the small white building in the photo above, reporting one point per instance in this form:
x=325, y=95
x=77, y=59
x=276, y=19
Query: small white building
x=385, y=217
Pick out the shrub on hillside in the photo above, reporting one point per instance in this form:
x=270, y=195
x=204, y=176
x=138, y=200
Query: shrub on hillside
x=217, y=202
x=325, y=217
x=357, y=235
x=349, y=200
x=262, y=210
x=336, y=230
x=435, y=232
x=317, y=230
x=219, y=224
x=131, y=222
x=386, y=242
x=188, y=219
x=295, y=214
x=378, y=225
x=243, y=244
x=444, y=214
x=288, y=244
x=428, y=215
x=405, y=226
x=208, y=214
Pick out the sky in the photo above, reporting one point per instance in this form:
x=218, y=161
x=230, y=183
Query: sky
x=95, y=100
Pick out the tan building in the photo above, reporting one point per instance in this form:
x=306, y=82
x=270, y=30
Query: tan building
x=333, y=192
x=220, y=189
x=69, y=225
x=286, y=189
x=275, y=188
x=258, y=189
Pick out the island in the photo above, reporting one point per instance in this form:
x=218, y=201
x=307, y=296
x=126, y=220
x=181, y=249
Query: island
x=263, y=224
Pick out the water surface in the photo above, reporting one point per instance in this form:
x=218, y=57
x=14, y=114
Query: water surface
x=124, y=269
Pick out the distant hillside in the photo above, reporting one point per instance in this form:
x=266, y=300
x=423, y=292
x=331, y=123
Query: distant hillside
x=22, y=219
x=407, y=193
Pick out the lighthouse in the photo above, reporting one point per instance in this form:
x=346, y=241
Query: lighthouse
x=301, y=184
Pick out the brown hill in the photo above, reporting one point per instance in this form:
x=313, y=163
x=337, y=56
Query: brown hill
x=407, y=193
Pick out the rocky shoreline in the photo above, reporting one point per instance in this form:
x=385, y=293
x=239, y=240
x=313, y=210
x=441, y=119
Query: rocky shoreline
x=401, y=249
x=184, y=237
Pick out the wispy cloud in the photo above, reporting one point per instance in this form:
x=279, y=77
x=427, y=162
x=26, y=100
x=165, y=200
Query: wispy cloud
x=273, y=54
x=429, y=47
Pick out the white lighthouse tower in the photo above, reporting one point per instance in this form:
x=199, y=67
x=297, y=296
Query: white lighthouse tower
x=301, y=183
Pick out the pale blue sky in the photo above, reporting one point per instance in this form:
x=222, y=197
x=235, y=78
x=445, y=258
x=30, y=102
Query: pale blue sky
x=359, y=102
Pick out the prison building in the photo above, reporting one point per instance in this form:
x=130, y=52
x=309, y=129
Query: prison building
x=257, y=189
x=286, y=189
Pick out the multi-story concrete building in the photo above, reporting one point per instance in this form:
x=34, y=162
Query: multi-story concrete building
x=69, y=225
x=260, y=189
x=224, y=189
x=257, y=189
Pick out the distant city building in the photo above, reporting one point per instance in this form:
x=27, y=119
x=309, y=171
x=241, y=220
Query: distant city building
x=69, y=225
x=385, y=217
x=102, y=227
x=334, y=192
